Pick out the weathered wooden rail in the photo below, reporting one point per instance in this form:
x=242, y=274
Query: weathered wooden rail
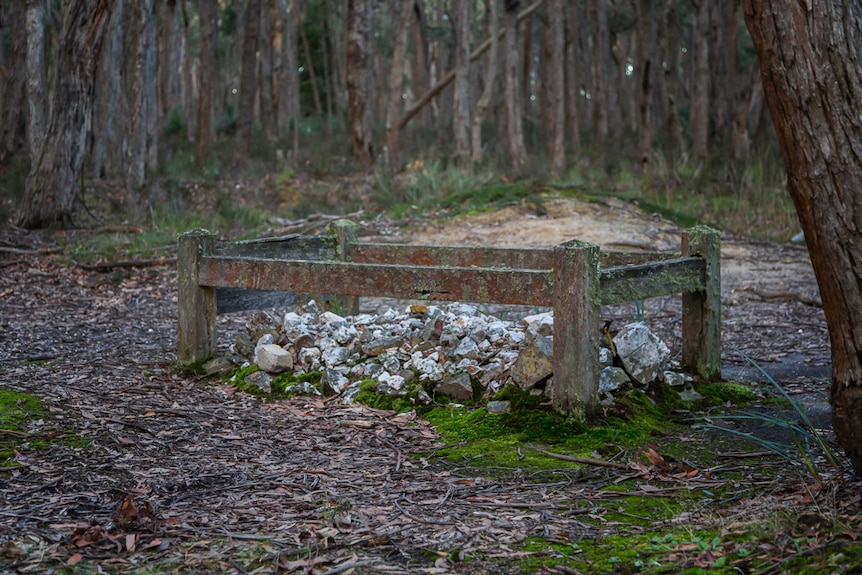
x=574, y=278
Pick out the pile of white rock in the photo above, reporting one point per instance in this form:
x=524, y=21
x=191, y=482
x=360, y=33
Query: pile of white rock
x=427, y=351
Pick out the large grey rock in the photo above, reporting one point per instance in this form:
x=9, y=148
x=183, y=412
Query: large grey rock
x=540, y=324
x=333, y=382
x=261, y=323
x=467, y=348
x=261, y=380
x=302, y=388
x=535, y=363
x=675, y=379
x=643, y=354
x=430, y=368
x=274, y=359
x=335, y=356
x=499, y=406
x=612, y=378
x=378, y=346
x=458, y=386
x=391, y=385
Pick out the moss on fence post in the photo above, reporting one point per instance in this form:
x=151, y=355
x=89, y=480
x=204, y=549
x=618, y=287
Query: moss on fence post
x=577, y=313
x=196, y=304
x=701, y=310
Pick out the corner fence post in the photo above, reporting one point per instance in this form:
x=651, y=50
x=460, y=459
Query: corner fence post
x=345, y=233
x=577, y=313
x=196, y=305
x=701, y=310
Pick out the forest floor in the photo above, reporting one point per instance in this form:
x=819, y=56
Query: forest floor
x=134, y=466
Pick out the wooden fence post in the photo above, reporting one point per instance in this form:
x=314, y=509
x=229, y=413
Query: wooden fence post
x=196, y=305
x=701, y=310
x=577, y=313
x=345, y=233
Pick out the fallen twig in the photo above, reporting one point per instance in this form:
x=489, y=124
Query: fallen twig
x=583, y=460
x=108, y=266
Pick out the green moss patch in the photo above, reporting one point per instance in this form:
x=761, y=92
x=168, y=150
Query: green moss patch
x=16, y=409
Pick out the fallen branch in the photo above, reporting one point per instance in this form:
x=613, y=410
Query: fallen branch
x=108, y=266
x=583, y=460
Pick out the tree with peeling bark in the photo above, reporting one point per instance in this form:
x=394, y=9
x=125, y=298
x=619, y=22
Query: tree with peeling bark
x=208, y=11
x=463, y=100
x=248, y=77
x=514, y=129
x=35, y=76
x=809, y=56
x=554, y=85
x=403, y=15
x=52, y=182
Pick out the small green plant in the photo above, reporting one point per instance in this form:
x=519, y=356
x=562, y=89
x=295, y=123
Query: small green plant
x=808, y=440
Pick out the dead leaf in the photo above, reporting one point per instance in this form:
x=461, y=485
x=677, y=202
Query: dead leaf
x=654, y=458
x=131, y=541
x=74, y=559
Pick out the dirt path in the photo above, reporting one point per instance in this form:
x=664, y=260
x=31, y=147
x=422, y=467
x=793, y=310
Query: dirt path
x=164, y=470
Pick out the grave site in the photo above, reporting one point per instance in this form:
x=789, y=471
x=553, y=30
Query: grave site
x=437, y=287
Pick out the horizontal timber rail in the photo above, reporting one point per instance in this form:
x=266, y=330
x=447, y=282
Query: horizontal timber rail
x=574, y=278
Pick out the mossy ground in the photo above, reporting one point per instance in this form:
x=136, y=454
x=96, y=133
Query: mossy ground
x=16, y=409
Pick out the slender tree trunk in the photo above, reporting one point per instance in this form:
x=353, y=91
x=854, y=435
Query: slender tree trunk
x=51, y=186
x=359, y=79
x=809, y=60
x=490, y=80
x=110, y=139
x=267, y=95
x=722, y=88
x=646, y=73
x=35, y=76
x=463, y=99
x=673, y=78
x=293, y=80
x=14, y=95
x=514, y=129
x=555, y=86
x=571, y=68
x=207, y=72
x=171, y=52
x=143, y=156
x=312, y=76
x=700, y=81
x=419, y=61
x=402, y=16
x=600, y=95
x=248, y=78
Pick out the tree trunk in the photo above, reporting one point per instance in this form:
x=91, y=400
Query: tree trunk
x=646, y=72
x=700, y=81
x=110, y=139
x=554, y=86
x=51, y=185
x=600, y=95
x=359, y=79
x=248, y=79
x=293, y=80
x=312, y=76
x=573, y=93
x=514, y=129
x=419, y=76
x=207, y=72
x=809, y=56
x=490, y=81
x=35, y=76
x=171, y=52
x=463, y=98
x=267, y=95
x=13, y=104
x=144, y=138
x=403, y=14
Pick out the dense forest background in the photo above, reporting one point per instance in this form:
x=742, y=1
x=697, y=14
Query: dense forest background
x=198, y=88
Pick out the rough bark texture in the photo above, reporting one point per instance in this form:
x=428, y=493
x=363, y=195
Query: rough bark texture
x=248, y=75
x=463, y=99
x=52, y=182
x=601, y=83
x=403, y=15
x=13, y=95
x=515, y=131
x=646, y=73
x=490, y=81
x=809, y=57
x=143, y=152
x=571, y=68
x=554, y=85
x=208, y=11
x=267, y=95
x=358, y=80
x=35, y=76
x=700, y=82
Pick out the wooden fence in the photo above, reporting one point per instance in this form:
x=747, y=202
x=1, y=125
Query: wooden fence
x=575, y=278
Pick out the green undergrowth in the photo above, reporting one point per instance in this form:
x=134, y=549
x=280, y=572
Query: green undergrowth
x=16, y=409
